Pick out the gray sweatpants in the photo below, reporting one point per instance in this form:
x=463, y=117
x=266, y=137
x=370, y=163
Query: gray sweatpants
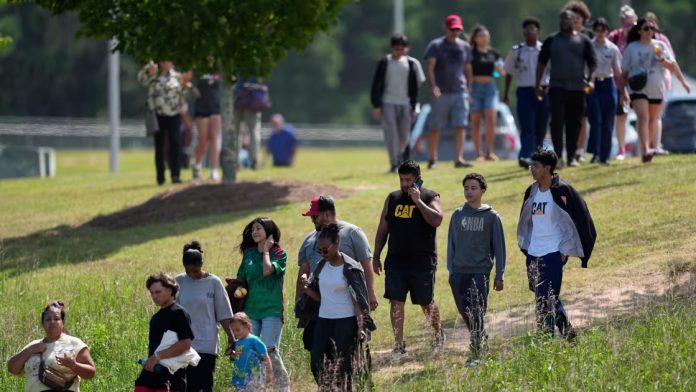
x=396, y=122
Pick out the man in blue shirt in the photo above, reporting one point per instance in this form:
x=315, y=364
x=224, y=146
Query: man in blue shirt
x=283, y=142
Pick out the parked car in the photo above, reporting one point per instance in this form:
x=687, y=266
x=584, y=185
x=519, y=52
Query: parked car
x=506, y=144
x=679, y=124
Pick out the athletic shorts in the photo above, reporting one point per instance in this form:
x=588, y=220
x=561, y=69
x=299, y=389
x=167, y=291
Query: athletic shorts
x=652, y=101
x=420, y=284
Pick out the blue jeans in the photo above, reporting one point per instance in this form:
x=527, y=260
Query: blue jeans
x=533, y=117
x=545, y=276
x=470, y=293
x=269, y=330
x=601, y=111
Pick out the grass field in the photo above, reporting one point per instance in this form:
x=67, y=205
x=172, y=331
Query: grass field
x=644, y=216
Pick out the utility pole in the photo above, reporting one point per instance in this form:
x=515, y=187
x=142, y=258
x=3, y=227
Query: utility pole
x=114, y=107
x=398, y=16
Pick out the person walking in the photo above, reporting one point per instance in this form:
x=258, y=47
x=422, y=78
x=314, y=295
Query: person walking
x=394, y=96
x=208, y=124
x=448, y=65
x=570, y=54
x=338, y=284
x=486, y=67
x=474, y=239
x=263, y=269
x=353, y=243
x=602, y=101
x=408, y=223
x=643, y=62
x=554, y=224
x=619, y=37
x=532, y=113
x=203, y=295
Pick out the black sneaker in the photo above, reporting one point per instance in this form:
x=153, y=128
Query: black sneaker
x=432, y=164
x=461, y=163
x=398, y=352
x=524, y=163
x=176, y=180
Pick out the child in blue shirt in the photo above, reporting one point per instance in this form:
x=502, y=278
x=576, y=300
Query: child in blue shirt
x=250, y=352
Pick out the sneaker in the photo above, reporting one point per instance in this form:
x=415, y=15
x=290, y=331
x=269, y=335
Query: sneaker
x=196, y=172
x=439, y=339
x=471, y=362
x=432, y=164
x=176, y=180
x=647, y=158
x=620, y=157
x=462, y=163
x=570, y=335
x=595, y=158
x=559, y=164
x=660, y=151
x=398, y=352
x=524, y=163
x=492, y=157
x=393, y=169
x=573, y=163
x=214, y=175
x=480, y=158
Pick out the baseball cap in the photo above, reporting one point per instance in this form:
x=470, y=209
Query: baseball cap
x=454, y=22
x=320, y=204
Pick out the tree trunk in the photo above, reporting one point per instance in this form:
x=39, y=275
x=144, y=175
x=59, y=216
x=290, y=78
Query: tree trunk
x=229, y=154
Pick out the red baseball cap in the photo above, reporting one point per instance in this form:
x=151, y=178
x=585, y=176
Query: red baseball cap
x=454, y=22
x=320, y=204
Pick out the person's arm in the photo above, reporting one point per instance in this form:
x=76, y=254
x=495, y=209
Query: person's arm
x=506, y=91
x=509, y=66
x=147, y=74
x=543, y=59
x=227, y=327
x=430, y=75
x=303, y=270
x=268, y=268
x=590, y=59
x=432, y=213
x=172, y=351
x=469, y=74
x=498, y=244
x=16, y=364
x=82, y=364
x=377, y=90
x=451, y=243
x=313, y=294
x=380, y=238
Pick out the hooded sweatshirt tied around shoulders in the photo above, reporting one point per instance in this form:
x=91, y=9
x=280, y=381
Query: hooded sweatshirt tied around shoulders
x=475, y=237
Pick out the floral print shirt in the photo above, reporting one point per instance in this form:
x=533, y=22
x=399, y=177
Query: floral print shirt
x=165, y=94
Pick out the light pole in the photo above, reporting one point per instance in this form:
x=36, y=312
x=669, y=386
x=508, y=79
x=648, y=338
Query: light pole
x=114, y=107
x=399, y=16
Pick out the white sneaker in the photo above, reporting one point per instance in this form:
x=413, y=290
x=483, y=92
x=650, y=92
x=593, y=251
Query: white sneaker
x=620, y=157
x=214, y=175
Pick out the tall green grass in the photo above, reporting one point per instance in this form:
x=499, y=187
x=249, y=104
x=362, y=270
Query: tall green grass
x=643, y=213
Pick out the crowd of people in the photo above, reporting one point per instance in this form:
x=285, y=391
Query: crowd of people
x=582, y=75
x=335, y=289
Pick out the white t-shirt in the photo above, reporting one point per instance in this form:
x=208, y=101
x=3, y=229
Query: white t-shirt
x=336, y=301
x=638, y=58
x=608, y=58
x=66, y=344
x=546, y=234
x=396, y=80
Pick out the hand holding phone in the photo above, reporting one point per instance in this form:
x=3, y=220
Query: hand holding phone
x=419, y=183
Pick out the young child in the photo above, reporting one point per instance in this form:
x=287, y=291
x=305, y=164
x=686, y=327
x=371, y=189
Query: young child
x=249, y=353
x=475, y=237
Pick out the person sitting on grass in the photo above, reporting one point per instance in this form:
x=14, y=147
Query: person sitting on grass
x=249, y=352
x=475, y=237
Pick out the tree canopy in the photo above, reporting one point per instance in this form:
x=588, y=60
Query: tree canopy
x=247, y=37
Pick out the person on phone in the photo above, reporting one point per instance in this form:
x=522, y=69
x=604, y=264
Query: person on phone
x=408, y=222
x=64, y=354
x=570, y=54
x=474, y=239
x=532, y=113
x=554, y=224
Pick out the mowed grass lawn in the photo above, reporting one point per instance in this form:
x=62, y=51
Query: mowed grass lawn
x=644, y=216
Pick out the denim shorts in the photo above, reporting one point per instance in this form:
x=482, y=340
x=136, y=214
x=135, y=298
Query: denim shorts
x=449, y=110
x=483, y=96
x=268, y=330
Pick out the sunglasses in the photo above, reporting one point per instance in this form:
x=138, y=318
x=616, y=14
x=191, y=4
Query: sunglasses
x=323, y=251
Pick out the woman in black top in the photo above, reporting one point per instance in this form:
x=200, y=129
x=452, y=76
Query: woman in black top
x=486, y=65
x=170, y=317
x=208, y=124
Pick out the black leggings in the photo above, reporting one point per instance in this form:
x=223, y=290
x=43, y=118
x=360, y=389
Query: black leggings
x=566, y=112
x=332, y=351
x=169, y=127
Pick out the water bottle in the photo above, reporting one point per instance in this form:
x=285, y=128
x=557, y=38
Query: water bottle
x=159, y=369
x=499, y=64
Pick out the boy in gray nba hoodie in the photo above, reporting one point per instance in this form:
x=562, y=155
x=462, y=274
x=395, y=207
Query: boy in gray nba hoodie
x=474, y=239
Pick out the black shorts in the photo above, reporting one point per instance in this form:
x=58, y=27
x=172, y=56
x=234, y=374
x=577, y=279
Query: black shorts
x=651, y=101
x=206, y=113
x=420, y=284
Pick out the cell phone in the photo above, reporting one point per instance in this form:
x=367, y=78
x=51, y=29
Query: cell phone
x=419, y=183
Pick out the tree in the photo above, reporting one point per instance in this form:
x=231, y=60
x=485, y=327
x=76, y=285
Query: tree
x=241, y=37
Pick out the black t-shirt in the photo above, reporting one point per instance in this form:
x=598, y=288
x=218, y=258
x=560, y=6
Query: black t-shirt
x=172, y=318
x=209, y=101
x=482, y=62
x=411, y=238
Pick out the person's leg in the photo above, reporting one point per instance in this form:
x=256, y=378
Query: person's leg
x=214, y=140
x=321, y=346
x=558, y=114
x=253, y=120
x=436, y=121
x=202, y=125
x=422, y=288
x=526, y=116
x=396, y=316
x=640, y=106
x=655, y=124
x=200, y=378
x=460, y=119
x=476, y=134
x=389, y=126
x=542, y=112
x=270, y=333
x=459, y=286
x=478, y=303
x=403, y=127
x=159, y=150
x=594, y=116
x=491, y=119
x=608, y=109
x=345, y=339
x=173, y=125
x=553, y=277
x=574, y=108
x=621, y=120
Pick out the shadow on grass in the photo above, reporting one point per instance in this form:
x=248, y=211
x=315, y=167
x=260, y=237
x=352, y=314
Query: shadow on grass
x=172, y=213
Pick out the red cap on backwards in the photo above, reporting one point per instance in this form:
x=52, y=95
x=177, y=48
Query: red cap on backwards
x=454, y=22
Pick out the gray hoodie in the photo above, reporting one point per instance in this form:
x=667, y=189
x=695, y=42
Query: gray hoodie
x=474, y=238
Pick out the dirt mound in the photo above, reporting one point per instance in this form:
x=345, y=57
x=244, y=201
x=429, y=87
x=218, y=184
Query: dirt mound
x=197, y=200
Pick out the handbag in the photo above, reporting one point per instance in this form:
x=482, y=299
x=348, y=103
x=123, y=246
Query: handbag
x=53, y=378
x=252, y=96
x=638, y=81
x=151, y=125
